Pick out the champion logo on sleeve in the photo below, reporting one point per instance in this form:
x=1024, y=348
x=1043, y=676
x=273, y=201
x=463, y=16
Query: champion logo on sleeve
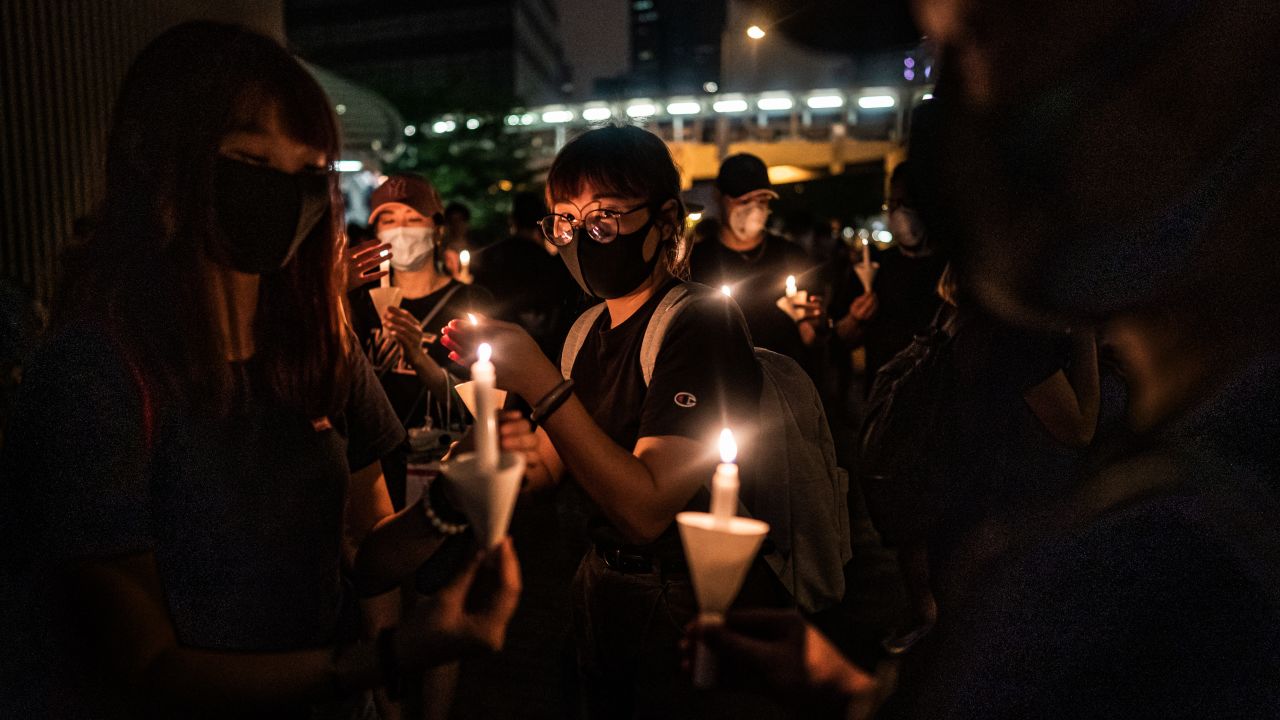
x=685, y=399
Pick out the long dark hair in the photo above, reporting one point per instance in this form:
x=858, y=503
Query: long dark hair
x=144, y=270
x=630, y=162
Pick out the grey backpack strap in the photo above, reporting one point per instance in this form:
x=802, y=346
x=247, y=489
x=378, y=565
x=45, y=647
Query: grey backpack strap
x=662, y=318
x=577, y=336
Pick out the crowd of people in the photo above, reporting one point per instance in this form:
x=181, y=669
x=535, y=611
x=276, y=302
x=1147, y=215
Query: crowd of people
x=221, y=457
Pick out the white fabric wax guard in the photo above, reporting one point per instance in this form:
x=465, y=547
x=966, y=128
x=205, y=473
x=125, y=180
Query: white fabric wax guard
x=719, y=552
x=486, y=500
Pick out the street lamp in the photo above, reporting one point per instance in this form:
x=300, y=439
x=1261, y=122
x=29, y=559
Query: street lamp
x=755, y=32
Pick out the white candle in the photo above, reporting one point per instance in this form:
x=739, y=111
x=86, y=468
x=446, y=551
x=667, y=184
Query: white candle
x=866, y=252
x=791, y=286
x=724, y=486
x=486, y=430
x=385, y=266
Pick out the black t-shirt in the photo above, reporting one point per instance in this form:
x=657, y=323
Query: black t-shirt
x=402, y=385
x=758, y=278
x=531, y=288
x=906, y=288
x=242, y=511
x=705, y=377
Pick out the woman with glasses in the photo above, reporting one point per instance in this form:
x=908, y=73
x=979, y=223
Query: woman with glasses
x=640, y=452
x=194, y=452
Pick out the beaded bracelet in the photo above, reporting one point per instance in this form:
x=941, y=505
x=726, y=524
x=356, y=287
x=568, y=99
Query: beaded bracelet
x=441, y=525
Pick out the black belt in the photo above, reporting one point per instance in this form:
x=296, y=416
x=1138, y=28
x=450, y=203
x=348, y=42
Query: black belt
x=636, y=561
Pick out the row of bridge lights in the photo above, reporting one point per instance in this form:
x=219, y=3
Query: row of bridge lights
x=681, y=108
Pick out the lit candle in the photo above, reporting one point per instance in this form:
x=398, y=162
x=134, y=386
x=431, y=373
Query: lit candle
x=472, y=318
x=464, y=259
x=486, y=430
x=385, y=266
x=791, y=286
x=724, y=290
x=866, y=252
x=724, y=485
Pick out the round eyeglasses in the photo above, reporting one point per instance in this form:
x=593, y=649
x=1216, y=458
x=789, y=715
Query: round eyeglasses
x=601, y=225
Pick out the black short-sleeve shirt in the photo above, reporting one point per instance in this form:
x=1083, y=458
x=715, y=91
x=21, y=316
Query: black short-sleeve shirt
x=401, y=383
x=758, y=278
x=243, y=509
x=705, y=377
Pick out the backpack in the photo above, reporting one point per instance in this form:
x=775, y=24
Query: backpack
x=905, y=435
x=796, y=486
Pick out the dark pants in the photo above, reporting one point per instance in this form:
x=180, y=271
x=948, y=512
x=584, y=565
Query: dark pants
x=628, y=627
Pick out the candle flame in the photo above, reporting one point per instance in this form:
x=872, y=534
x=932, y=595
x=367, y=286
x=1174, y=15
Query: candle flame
x=484, y=352
x=728, y=447
x=464, y=257
x=724, y=290
x=865, y=242
x=384, y=253
x=472, y=318
x=791, y=284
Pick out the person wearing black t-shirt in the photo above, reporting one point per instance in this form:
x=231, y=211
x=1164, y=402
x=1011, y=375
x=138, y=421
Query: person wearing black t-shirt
x=191, y=474
x=403, y=344
x=755, y=263
x=904, y=296
x=641, y=453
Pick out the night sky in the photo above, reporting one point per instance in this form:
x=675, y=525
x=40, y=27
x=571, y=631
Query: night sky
x=594, y=34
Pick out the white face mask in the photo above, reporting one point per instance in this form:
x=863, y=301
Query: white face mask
x=747, y=221
x=907, y=228
x=411, y=247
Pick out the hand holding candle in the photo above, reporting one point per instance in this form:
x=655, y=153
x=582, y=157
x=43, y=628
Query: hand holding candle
x=793, y=299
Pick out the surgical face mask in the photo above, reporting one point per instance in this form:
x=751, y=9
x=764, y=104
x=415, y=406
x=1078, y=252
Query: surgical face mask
x=747, y=221
x=613, y=269
x=264, y=214
x=907, y=228
x=411, y=247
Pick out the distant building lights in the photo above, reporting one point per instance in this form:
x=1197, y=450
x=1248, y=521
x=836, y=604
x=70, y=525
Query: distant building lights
x=710, y=87
x=441, y=127
x=348, y=166
x=596, y=114
x=473, y=123
x=684, y=108
x=410, y=131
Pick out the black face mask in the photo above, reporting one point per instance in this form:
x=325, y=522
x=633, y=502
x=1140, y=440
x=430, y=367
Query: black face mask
x=610, y=270
x=265, y=214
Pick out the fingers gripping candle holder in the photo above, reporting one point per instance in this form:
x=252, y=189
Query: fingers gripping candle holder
x=385, y=297
x=486, y=498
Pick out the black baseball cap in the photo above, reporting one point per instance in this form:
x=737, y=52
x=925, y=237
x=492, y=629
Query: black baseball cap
x=741, y=174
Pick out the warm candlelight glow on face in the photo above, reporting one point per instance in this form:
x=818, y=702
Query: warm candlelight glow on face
x=724, y=290
x=472, y=318
x=728, y=447
x=484, y=352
